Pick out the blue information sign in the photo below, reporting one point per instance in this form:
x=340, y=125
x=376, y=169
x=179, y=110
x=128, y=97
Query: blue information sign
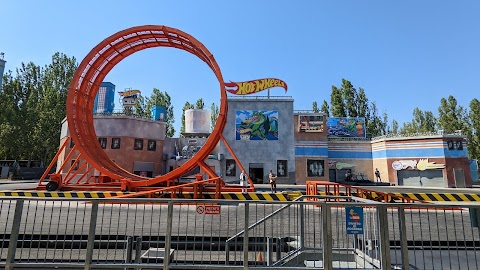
x=354, y=221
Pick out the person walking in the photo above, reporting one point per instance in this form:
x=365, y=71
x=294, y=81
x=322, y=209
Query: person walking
x=244, y=182
x=377, y=175
x=271, y=180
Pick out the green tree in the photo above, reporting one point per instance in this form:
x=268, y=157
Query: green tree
x=362, y=103
x=423, y=121
x=214, y=111
x=9, y=116
x=159, y=98
x=325, y=108
x=375, y=124
x=474, y=135
x=32, y=107
x=337, y=103
x=350, y=96
x=199, y=105
x=315, y=107
x=140, y=107
x=395, y=129
x=451, y=116
x=51, y=108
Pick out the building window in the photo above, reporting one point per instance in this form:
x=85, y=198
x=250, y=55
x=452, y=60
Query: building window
x=103, y=142
x=282, y=168
x=459, y=145
x=115, y=143
x=76, y=165
x=72, y=143
x=230, y=167
x=138, y=145
x=315, y=168
x=152, y=145
x=450, y=145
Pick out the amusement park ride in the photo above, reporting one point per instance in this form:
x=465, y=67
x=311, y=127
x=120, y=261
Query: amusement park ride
x=82, y=91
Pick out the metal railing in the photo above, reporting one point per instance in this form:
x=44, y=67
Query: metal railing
x=219, y=234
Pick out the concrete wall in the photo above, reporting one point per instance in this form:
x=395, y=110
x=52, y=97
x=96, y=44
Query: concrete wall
x=265, y=152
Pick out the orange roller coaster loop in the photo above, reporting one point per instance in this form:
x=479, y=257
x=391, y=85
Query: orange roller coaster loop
x=92, y=71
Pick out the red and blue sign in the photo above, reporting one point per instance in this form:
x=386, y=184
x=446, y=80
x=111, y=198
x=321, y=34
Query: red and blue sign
x=354, y=220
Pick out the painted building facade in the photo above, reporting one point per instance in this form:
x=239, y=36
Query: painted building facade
x=135, y=144
x=260, y=132
x=267, y=134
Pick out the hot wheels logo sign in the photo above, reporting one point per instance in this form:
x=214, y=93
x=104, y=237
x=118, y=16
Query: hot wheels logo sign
x=255, y=86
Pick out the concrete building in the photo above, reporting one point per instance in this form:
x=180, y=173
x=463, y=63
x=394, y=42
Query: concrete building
x=260, y=132
x=267, y=134
x=135, y=144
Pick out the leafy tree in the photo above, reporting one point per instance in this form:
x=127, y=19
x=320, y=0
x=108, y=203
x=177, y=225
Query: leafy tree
x=199, y=105
x=451, y=116
x=430, y=123
x=337, y=103
x=140, y=107
x=214, y=111
x=159, y=98
x=362, y=103
x=315, y=107
x=423, y=121
x=474, y=138
x=395, y=129
x=375, y=124
x=51, y=108
x=32, y=107
x=325, y=108
x=350, y=96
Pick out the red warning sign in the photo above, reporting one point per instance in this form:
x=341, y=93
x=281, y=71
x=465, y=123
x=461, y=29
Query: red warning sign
x=208, y=209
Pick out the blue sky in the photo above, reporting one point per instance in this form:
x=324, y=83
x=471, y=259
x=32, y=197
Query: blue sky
x=405, y=54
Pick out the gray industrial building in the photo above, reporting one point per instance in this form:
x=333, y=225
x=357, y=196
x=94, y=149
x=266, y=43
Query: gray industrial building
x=260, y=155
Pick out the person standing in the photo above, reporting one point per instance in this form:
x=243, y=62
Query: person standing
x=271, y=180
x=244, y=182
x=377, y=175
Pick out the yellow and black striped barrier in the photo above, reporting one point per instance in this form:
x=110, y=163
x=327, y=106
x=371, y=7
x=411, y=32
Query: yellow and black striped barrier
x=441, y=197
x=427, y=197
x=62, y=194
x=257, y=196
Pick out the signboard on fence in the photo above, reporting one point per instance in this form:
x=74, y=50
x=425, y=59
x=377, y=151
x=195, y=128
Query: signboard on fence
x=354, y=220
x=208, y=209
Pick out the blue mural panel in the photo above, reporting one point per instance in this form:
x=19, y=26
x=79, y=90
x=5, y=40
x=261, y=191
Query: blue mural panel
x=256, y=125
x=346, y=127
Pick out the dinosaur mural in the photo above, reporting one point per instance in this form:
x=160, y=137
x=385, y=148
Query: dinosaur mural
x=256, y=125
